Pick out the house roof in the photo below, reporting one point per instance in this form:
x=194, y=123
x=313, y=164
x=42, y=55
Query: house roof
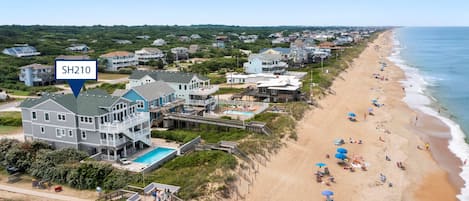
x=89, y=103
x=167, y=76
x=151, y=50
x=282, y=50
x=117, y=54
x=154, y=90
x=36, y=66
x=266, y=57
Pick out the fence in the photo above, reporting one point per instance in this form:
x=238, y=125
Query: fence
x=189, y=146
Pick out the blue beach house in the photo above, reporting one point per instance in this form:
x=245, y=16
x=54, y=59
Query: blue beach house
x=156, y=99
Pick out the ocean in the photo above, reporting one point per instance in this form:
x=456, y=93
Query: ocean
x=436, y=63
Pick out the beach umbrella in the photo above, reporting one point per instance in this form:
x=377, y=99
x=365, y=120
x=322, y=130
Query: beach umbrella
x=327, y=193
x=320, y=165
x=374, y=101
x=342, y=150
x=340, y=156
x=351, y=114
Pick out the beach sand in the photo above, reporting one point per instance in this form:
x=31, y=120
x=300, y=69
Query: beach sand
x=289, y=175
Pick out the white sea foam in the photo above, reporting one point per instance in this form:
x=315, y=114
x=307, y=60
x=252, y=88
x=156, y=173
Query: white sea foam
x=415, y=97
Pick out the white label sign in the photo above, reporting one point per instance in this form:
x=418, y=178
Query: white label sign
x=76, y=70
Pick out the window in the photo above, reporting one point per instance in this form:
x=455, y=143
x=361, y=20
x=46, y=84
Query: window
x=43, y=130
x=70, y=133
x=90, y=119
x=185, y=87
x=86, y=120
x=33, y=115
x=83, y=134
x=140, y=104
x=180, y=87
x=61, y=117
x=59, y=132
x=46, y=116
x=81, y=119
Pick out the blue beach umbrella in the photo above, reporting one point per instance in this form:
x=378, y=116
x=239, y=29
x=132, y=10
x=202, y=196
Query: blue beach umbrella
x=351, y=114
x=320, y=165
x=342, y=150
x=327, y=193
x=340, y=156
x=374, y=101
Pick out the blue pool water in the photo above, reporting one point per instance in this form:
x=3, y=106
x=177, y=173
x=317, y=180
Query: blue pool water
x=234, y=112
x=154, y=155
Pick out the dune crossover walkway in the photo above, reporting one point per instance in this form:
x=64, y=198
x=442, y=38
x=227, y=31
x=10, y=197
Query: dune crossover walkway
x=177, y=119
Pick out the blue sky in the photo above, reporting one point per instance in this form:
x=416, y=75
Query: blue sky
x=237, y=12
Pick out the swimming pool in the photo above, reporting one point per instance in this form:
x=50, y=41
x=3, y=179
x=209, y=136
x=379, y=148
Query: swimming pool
x=154, y=155
x=234, y=112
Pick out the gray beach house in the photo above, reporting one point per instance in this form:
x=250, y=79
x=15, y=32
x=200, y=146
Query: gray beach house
x=94, y=122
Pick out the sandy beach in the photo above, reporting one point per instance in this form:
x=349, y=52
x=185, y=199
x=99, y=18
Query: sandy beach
x=392, y=131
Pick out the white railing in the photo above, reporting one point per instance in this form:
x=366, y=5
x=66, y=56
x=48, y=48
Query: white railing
x=113, y=143
x=121, y=126
x=202, y=102
x=205, y=90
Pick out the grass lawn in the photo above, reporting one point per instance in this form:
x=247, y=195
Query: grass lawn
x=10, y=115
x=5, y=130
x=18, y=92
x=193, y=171
x=228, y=90
x=111, y=76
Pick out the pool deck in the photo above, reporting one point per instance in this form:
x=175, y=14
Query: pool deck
x=139, y=167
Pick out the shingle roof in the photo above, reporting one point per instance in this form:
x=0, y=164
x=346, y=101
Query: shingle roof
x=167, y=76
x=117, y=54
x=283, y=50
x=36, y=66
x=266, y=57
x=89, y=103
x=154, y=90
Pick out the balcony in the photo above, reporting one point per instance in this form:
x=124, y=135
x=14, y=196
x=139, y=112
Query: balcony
x=167, y=106
x=123, y=126
x=202, y=102
x=204, y=90
x=113, y=143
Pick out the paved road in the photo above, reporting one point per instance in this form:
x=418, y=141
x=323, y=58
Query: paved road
x=11, y=106
x=39, y=194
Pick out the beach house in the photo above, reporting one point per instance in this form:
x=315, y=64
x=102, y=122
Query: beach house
x=180, y=53
x=21, y=51
x=155, y=98
x=144, y=37
x=78, y=48
x=119, y=59
x=159, y=42
x=284, y=52
x=195, y=89
x=94, y=122
x=37, y=75
x=276, y=90
x=144, y=55
x=265, y=63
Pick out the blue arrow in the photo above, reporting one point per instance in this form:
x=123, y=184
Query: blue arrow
x=76, y=86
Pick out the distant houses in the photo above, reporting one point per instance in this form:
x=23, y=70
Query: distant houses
x=193, y=48
x=37, y=75
x=248, y=38
x=283, y=52
x=147, y=54
x=73, y=57
x=195, y=89
x=180, y=53
x=21, y=51
x=195, y=36
x=119, y=59
x=265, y=63
x=143, y=37
x=122, y=42
x=159, y=42
x=78, y=48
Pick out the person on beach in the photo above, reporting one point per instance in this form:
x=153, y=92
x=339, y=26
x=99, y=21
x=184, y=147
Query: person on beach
x=427, y=146
x=364, y=115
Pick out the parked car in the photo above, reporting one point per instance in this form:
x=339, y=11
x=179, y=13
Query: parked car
x=12, y=170
x=124, y=161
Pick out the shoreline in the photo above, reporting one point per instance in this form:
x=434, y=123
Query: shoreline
x=289, y=174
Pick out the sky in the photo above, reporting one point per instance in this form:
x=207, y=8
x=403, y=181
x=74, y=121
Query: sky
x=237, y=12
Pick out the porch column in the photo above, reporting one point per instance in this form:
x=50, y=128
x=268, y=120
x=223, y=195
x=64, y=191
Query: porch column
x=115, y=154
x=108, y=155
x=125, y=150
